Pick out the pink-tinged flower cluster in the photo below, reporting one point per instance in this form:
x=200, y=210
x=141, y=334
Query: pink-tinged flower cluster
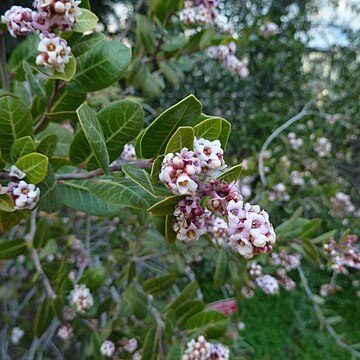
x=288, y=262
x=268, y=284
x=19, y=21
x=294, y=142
x=65, y=332
x=343, y=255
x=341, y=205
x=201, y=349
x=211, y=156
x=107, y=348
x=81, y=298
x=54, y=53
x=61, y=13
x=296, y=178
x=128, y=153
x=218, y=228
x=322, y=147
x=179, y=172
x=269, y=29
x=279, y=193
x=284, y=280
x=189, y=219
x=25, y=195
x=250, y=230
x=225, y=54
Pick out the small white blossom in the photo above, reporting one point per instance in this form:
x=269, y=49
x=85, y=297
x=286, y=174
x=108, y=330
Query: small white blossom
x=131, y=346
x=25, y=195
x=16, y=335
x=128, y=153
x=107, y=348
x=54, y=53
x=268, y=284
x=17, y=173
x=81, y=298
x=269, y=29
x=296, y=178
x=322, y=147
x=65, y=332
x=219, y=352
x=197, y=349
x=19, y=21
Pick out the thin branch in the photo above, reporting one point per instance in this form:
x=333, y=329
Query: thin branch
x=278, y=131
x=36, y=258
x=321, y=317
x=44, y=119
x=98, y=172
x=4, y=73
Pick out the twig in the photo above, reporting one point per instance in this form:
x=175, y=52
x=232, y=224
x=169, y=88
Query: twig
x=4, y=73
x=98, y=172
x=36, y=258
x=278, y=131
x=44, y=119
x=322, y=319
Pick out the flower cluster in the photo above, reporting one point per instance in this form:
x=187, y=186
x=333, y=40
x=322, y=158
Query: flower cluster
x=322, y=147
x=201, y=349
x=343, y=255
x=341, y=204
x=65, y=332
x=279, y=193
x=296, y=178
x=225, y=54
x=268, y=284
x=24, y=195
x=128, y=153
x=269, y=29
x=230, y=221
x=108, y=348
x=16, y=335
x=294, y=142
x=48, y=16
x=81, y=298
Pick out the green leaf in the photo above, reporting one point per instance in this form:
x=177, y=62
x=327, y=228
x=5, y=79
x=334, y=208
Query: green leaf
x=6, y=203
x=25, y=51
x=15, y=123
x=142, y=178
x=86, y=43
x=21, y=147
x=211, y=323
x=214, y=128
x=165, y=207
x=121, y=192
x=50, y=196
x=67, y=75
x=165, y=8
x=34, y=165
x=93, y=277
x=10, y=249
x=43, y=317
x=174, y=353
x=324, y=237
x=77, y=195
x=121, y=122
x=188, y=309
x=137, y=302
x=64, y=138
x=231, y=174
x=47, y=145
x=189, y=291
x=155, y=169
x=170, y=234
x=158, y=133
x=145, y=34
x=41, y=236
x=9, y=219
x=310, y=228
x=86, y=21
x=36, y=86
x=221, y=267
x=159, y=284
x=101, y=66
x=149, y=347
x=94, y=135
x=182, y=138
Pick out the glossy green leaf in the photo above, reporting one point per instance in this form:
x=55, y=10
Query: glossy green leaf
x=10, y=249
x=165, y=207
x=94, y=135
x=214, y=128
x=86, y=43
x=6, y=203
x=145, y=34
x=101, y=66
x=9, y=219
x=86, y=21
x=159, y=284
x=36, y=85
x=21, y=147
x=220, y=270
x=41, y=236
x=34, y=165
x=170, y=234
x=188, y=309
x=137, y=302
x=231, y=174
x=182, y=138
x=15, y=123
x=189, y=292
x=156, y=136
x=47, y=145
x=43, y=318
x=149, y=347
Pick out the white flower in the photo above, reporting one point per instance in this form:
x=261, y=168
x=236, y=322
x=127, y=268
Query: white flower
x=219, y=352
x=197, y=349
x=268, y=284
x=25, y=195
x=65, y=332
x=296, y=178
x=211, y=156
x=107, y=348
x=128, y=153
x=322, y=147
x=17, y=173
x=131, y=346
x=19, y=21
x=54, y=53
x=241, y=326
x=3, y=189
x=16, y=335
x=269, y=29
x=81, y=298
x=136, y=356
